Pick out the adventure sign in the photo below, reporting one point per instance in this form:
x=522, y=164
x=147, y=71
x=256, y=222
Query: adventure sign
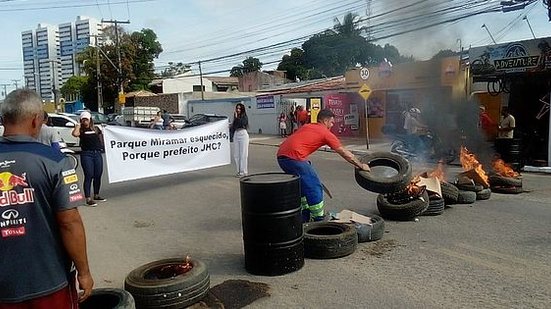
x=365, y=91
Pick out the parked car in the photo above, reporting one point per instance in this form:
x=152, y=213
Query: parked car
x=178, y=121
x=200, y=119
x=64, y=125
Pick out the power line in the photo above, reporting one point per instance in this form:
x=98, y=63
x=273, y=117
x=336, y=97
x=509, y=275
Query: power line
x=69, y=6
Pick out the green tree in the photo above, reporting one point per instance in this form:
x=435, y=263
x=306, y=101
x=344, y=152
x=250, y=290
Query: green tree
x=294, y=65
x=174, y=69
x=74, y=86
x=249, y=65
x=138, y=50
x=445, y=53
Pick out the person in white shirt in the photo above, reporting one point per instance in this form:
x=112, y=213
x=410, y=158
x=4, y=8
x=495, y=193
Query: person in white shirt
x=506, y=125
x=49, y=136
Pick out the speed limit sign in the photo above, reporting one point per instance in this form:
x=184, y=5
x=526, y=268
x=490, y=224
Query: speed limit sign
x=364, y=73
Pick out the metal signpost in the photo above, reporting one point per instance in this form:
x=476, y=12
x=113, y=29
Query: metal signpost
x=365, y=92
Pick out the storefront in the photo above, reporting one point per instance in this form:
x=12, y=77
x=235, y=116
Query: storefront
x=518, y=75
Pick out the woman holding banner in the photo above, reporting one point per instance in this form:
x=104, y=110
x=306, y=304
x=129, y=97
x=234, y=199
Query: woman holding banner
x=240, y=139
x=91, y=143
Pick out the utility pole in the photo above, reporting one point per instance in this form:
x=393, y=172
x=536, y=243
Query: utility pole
x=201, y=77
x=117, y=44
x=529, y=26
x=98, y=76
x=368, y=12
x=489, y=33
x=15, y=82
x=5, y=89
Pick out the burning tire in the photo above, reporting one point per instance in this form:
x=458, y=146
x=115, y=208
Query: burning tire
x=404, y=211
x=501, y=181
x=329, y=240
x=466, y=197
x=469, y=187
x=158, y=285
x=389, y=173
x=108, y=299
x=436, y=207
x=483, y=194
x=507, y=190
x=449, y=193
x=370, y=232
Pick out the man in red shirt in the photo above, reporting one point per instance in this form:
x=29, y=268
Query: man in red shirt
x=302, y=116
x=292, y=157
x=485, y=122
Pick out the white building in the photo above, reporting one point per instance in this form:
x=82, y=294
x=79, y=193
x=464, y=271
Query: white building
x=50, y=53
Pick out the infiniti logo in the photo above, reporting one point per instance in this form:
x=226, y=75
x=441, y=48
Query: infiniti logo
x=73, y=186
x=10, y=214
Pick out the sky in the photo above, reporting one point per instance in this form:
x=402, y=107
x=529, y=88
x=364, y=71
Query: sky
x=203, y=30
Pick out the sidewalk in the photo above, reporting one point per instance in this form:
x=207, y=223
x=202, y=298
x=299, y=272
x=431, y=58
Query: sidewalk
x=356, y=145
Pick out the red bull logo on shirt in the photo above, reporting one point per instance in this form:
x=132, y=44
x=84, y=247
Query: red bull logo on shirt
x=8, y=195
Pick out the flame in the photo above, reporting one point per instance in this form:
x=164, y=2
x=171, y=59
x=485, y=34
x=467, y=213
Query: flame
x=469, y=162
x=438, y=172
x=503, y=169
x=413, y=189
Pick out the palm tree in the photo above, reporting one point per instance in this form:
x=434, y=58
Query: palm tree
x=348, y=27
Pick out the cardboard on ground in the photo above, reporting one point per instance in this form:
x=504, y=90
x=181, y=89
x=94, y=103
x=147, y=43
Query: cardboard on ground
x=432, y=184
x=347, y=216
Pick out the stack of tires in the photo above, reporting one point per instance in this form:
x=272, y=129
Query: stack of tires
x=506, y=185
x=329, y=240
x=390, y=175
x=157, y=285
x=105, y=298
x=469, y=193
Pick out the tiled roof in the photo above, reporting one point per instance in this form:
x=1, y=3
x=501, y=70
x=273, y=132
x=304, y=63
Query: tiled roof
x=316, y=85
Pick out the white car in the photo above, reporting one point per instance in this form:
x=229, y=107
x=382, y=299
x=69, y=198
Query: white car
x=64, y=125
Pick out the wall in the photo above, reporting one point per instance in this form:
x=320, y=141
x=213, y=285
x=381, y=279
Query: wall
x=168, y=102
x=185, y=84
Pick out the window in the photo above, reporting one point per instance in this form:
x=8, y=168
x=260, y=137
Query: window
x=198, y=88
x=57, y=121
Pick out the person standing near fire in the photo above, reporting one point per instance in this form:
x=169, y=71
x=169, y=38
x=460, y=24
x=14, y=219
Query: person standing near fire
x=506, y=125
x=415, y=128
x=292, y=157
x=485, y=122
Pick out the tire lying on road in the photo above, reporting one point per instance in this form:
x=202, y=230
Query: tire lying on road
x=483, y=194
x=108, y=299
x=466, y=197
x=370, y=232
x=151, y=288
x=406, y=211
x=329, y=240
x=449, y=193
x=469, y=187
x=389, y=173
x=436, y=207
x=501, y=181
x=506, y=190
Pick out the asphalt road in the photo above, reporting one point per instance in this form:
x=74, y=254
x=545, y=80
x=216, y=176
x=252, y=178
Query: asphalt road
x=494, y=254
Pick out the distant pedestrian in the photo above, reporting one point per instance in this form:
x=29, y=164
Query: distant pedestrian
x=282, y=124
x=157, y=122
x=485, y=123
x=302, y=116
x=240, y=125
x=42, y=234
x=48, y=135
x=292, y=121
x=166, y=120
x=506, y=125
x=91, y=143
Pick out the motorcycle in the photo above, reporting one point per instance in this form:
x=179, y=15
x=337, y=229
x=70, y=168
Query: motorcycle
x=427, y=148
x=69, y=153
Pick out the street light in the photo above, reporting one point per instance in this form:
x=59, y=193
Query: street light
x=491, y=36
x=529, y=26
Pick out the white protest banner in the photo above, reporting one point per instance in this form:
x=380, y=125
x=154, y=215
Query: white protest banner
x=133, y=153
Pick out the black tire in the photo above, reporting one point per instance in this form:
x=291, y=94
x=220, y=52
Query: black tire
x=329, y=240
x=466, y=197
x=370, y=232
x=376, y=182
x=405, y=211
x=175, y=292
x=469, y=187
x=108, y=299
x=500, y=181
x=483, y=194
x=507, y=190
x=436, y=207
x=449, y=193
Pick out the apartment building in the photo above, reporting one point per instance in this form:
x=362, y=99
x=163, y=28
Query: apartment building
x=50, y=53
